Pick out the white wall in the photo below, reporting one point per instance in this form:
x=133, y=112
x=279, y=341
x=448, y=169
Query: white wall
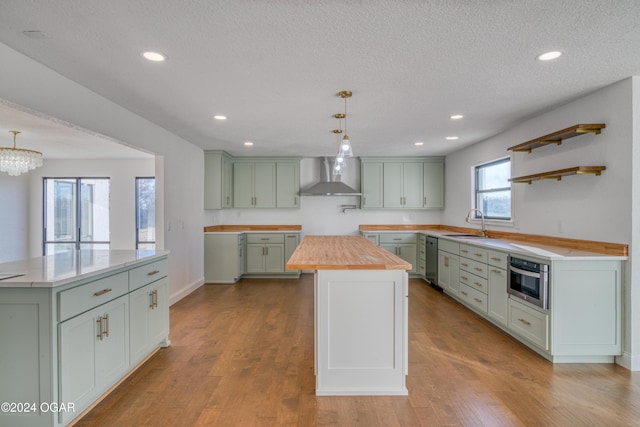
x=14, y=225
x=322, y=215
x=581, y=207
x=121, y=174
x=179, y=164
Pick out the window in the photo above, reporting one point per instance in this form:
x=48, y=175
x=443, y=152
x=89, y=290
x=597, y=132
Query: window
x=493, y=189
x=145, y=213
x=76, y=214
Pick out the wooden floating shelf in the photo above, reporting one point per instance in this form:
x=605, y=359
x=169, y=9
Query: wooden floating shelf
x=557, y=175
x=558, y=137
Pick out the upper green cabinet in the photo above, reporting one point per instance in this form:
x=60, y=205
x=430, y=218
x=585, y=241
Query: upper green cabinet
x=254, y=184
x=250, y=182
x=218, y=180
x=402, y=182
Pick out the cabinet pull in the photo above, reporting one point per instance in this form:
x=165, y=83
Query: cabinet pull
x=102, y=292
x=446, y=261
x=464, y=293
x=424, y=201
x=151, y=299
x=478, y=300
x=495, y=259
x=477, y=269
x=464, y=264
x=106, y=320
x=397, y=238
x=151, y=273
x=526, y=322
x=464, y=251
x=464, y=278
x=478, y=284
x=99, y=322
x=477, y=254
x=154, y=299
x=493, y=270
x=155, y=302
x=265, y=238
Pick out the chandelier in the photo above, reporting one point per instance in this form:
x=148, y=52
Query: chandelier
x=15, y=161
x=344, y=144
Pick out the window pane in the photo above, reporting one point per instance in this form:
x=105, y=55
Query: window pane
x=145, y=210
x=496, y=204
x=494, y=176
x=55, y=248
x=94, y=245
x=94, y=209
x=146, y=246
x=60, y=202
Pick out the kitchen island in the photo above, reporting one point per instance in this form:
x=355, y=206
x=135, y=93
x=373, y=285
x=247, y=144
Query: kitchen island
x=361, y=315
x=73, y=325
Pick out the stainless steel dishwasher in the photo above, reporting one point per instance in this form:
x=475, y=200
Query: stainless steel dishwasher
x=431, y=267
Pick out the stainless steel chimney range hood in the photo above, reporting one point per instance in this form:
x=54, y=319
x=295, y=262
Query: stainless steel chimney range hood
x=326, y=187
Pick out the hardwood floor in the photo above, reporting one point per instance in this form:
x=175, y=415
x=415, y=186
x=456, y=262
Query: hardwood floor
x=242, y=355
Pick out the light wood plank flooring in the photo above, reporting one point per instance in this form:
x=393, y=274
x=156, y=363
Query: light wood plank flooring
x=242, y=355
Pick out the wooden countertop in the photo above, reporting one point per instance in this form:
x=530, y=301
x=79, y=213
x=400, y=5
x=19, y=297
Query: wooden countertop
x=248, y=227
x=343, y=253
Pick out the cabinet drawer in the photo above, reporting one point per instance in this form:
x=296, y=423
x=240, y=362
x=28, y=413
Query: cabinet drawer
x=148, y=273
x=448, y=246
x=529, y=323
x=474, y=281
x=475, y=267
x=265, y=238
x=473, y=252
x=85, y=297
x=497, y=259
x=473, y=298
x=398, y=238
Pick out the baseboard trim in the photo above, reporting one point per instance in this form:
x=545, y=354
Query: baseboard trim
x=628, y=361
x=175, y=297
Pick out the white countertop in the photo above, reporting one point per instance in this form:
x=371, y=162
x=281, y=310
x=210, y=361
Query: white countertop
x=62, y=268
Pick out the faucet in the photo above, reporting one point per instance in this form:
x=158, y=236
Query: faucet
x=468, y=219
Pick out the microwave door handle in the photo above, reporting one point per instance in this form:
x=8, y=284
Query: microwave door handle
x=525, y=272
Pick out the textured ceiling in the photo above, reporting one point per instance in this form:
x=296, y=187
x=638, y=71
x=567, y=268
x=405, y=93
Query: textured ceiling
x=274, y=66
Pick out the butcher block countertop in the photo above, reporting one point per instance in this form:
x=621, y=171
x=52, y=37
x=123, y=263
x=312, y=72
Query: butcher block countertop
x=248, y=227
x=343, y=253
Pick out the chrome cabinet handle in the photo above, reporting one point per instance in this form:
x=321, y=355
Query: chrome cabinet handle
x=525, y=322
x=102, y=292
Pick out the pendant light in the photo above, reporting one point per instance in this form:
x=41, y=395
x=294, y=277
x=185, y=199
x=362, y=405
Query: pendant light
x=16, y=161
x=345, y=146
x=339, y=164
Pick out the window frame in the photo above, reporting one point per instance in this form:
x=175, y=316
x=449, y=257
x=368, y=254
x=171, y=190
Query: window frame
x=77, y=242
x=476, y=191
x=137, y=212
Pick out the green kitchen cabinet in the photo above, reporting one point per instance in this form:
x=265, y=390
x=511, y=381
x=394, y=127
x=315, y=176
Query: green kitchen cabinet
x=218, y=180
x=372, y=178
x=148, y=318
x=254, y=185
x=404, y=245
x=94, y=353
x=291, y=242
x=433, y=184
x=402, y=182
x=449, y=266
x=402, y=187
x=288, y=184
x=265, y=253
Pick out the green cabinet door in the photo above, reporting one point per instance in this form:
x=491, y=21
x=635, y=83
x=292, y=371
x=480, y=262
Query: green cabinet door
x=409, y=253
x=264, y=185
x=255, y=258
x=392, y=185
x=159, y=313
x=412, y=182
x=139, y=338
x=433, y=185
x=498, y=296
x=288, y=185
x=448, y=272
x=274, y=258
x=243, y=185
x=371, y=178
x=227, y=182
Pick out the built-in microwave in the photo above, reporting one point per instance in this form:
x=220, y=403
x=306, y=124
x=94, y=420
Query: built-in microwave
x=529, y=280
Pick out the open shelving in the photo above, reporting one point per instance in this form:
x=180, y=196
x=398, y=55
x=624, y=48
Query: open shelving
x=558, y=174
x=558, y=137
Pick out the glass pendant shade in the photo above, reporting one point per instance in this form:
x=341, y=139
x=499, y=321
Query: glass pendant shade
x=16, y=161
x=345, y=147
x=338, y=168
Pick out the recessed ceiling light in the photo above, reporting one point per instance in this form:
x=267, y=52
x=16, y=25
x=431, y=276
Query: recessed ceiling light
x=548, y=56
x=154, y=56
x=248, y=143
x=452, y=138
x=456, y=116
x=218, y=117
x=417, y=144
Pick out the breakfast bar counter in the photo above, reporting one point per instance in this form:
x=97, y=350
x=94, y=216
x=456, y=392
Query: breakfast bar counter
x=361, y=315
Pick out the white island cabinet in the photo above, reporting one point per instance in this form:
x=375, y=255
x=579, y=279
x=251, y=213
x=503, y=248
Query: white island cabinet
x=73, y=325
x=361, y=315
